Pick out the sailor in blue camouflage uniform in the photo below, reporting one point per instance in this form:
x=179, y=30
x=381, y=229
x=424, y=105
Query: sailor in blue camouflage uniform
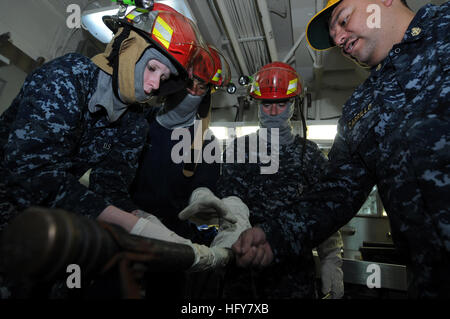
x=394, y=133
x=296, y=166
x=163, y=184
x=76, y=113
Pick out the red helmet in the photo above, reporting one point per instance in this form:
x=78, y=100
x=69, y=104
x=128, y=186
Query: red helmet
x=163, y=7
x=222, y=73
x=176, y=36
x=203, y=66
x=276, y=81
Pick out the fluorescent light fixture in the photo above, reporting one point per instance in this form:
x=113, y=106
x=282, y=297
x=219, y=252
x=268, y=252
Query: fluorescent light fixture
x=245, y=130
x=92, y=19
x=322, y=132
x=315, y=132
x=223, y=133
x=220, y=132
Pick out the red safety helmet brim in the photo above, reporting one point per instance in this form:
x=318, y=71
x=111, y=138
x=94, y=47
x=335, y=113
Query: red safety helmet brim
x=276, y=81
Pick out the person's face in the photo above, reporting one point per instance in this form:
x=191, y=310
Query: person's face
x=198, y=87
x=155, y=73
x=273, y=109
x=349, y=30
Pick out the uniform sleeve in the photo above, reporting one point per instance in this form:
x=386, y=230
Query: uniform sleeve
x=37, y=155
x=316, y=163
x=113, y=177
x=326, y=207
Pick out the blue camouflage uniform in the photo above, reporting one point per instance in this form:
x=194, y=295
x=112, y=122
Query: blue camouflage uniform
x=291, y=275
x=394, y=132
x=160, y=188
x=49, y=139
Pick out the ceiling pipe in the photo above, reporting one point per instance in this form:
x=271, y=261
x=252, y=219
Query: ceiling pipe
x=318, y=61
x=268, y=31
x=318, y=69
x=294, y=48
x=312, y=53
x=249, y=39
x=220, y=5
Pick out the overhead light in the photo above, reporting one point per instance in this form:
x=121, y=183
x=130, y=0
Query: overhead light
x=220, y=132
x=322, y=132
x=223, y=133
x=315, y=132
x=245, y=130
x=93, y=22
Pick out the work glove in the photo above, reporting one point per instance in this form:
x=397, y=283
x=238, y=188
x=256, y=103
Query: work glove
x=205, y=258
x=229, y=232
x=331, y=266
x=150, y=226
x=206, y=209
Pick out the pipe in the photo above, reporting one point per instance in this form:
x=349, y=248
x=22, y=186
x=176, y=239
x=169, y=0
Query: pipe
x=249, y=39
x=318, y=68
x=294, y=48
x=232, y=35
x=40, y=243
x=268, y=31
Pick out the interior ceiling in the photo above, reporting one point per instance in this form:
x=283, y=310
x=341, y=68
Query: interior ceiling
x=249, y=41
x=288, y=21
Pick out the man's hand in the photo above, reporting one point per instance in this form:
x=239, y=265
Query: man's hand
x=252, y=250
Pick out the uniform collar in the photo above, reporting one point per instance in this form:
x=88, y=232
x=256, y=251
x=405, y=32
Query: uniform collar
x=419, y=24
x=416, y=30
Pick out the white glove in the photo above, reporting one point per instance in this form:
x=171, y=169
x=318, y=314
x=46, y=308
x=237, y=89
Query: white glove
x=229, y=233
x=205, y=208
x=331, y=266
x=205, y=258
x=150, y=226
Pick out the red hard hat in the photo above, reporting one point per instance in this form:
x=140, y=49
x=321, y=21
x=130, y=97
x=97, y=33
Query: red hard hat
x=203, y=65
x=176, y=36
x=276, y=81
x=163, y=7
x=222, y=73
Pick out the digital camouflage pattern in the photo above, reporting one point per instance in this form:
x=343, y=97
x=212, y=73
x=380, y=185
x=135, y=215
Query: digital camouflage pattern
x=49, y=139
x=292, y=274
x=160, y=187
x=394, y=133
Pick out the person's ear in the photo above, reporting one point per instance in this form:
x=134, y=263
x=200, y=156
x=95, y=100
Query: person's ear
x=387, y=3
